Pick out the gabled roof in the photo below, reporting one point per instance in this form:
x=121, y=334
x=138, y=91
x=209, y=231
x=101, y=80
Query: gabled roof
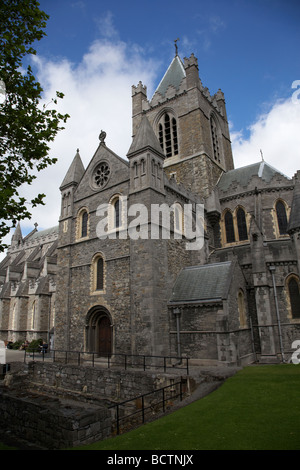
x=173, y=76
x=52, y=231
x=75, y=172
x=243, y=175
x=197, y=284
x=145, y=138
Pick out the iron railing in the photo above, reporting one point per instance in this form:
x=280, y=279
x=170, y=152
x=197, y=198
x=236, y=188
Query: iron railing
x=138, y=410
x=125, y=361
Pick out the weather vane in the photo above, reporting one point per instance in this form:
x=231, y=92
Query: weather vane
x=102, y=137
x=176, y=47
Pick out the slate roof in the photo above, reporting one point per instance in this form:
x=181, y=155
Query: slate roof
x=173, y=76
x=197, y=284
x=244, y=174
x=52, y=231
x=75, y=172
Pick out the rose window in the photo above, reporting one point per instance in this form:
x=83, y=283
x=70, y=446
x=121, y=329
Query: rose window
x=101, y=175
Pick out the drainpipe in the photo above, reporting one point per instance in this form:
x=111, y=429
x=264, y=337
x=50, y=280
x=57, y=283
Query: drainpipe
x=272, y=270
x=177, y=313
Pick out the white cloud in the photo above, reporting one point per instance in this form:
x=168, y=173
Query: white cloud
x=277, y=134
x=97, y=97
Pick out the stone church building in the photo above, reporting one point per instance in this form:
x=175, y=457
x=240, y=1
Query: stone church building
x=234, y=300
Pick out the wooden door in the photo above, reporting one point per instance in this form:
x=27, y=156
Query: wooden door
x=104, y=336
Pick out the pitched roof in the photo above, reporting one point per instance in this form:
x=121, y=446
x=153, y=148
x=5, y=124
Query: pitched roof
x=244, y=174
x=173, y=76
x=204, y=283
x=144, y=138
x=75, y=171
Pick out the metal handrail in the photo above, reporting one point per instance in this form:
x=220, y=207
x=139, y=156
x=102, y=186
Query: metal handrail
x=142, y=359
x=144, y=408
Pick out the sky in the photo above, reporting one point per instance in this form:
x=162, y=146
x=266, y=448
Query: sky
x=95, y=50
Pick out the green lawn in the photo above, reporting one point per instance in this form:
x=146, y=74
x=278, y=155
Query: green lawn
x=257, y=409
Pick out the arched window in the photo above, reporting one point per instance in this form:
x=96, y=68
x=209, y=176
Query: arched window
x=167, y=134
x=281, y=217
x=117, y=213
x=84, y=224
x=294, y=296
x=99, y=274
x=229, y=228
x=241, y=224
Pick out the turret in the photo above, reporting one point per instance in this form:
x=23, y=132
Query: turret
x=139, y=96
x=67, y=188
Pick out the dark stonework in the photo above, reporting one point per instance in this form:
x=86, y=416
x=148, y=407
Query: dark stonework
x=51, y=286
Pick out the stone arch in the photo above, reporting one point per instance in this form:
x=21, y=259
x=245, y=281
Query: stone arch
x=82, y=223
x=241, y=223
x=115, y=212
x=166, y=125
x=292, y=288
x=99, y=331
x=281, y=211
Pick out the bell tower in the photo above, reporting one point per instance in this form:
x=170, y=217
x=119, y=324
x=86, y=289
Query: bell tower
x=189, y=123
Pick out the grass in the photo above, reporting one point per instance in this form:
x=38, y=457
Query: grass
x=257, y=409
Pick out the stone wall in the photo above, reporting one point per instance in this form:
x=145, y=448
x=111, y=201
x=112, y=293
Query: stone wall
x=57, y=406
x=52, y=423
x=88, y=383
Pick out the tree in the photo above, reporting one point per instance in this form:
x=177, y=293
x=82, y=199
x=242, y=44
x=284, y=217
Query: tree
x=26, y=128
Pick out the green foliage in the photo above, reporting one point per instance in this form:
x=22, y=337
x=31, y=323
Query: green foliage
x=34, y=345
x=17, y=344
x=26, y=128
x=257, y=409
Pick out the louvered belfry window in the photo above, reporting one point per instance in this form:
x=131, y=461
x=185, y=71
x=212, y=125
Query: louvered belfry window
x=167, y=134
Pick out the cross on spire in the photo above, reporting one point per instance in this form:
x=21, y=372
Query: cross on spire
x=176, y=47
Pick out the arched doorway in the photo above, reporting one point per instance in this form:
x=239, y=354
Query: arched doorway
x=99, y=331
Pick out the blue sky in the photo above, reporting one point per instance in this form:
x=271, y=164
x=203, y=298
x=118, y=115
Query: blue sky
x=95, y=51
x=248, y=48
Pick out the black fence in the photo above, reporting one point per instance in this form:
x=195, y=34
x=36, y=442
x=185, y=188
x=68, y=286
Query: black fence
x=136, y=411
x=125, y=361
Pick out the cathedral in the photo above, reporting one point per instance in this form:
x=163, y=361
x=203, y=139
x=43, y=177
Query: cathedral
x=90, y=284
